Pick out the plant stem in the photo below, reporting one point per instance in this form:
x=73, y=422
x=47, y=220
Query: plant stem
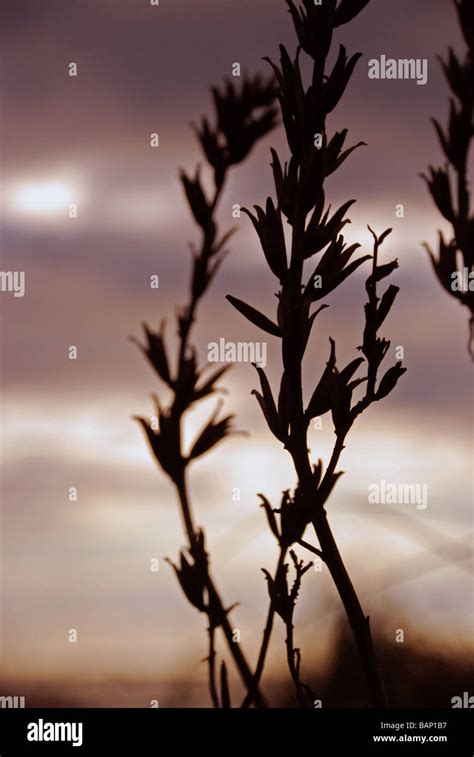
x=358, y=622
x=290, y=656
x=298, y=448
x=267, y=632
x=214, y=598
x=212, y=668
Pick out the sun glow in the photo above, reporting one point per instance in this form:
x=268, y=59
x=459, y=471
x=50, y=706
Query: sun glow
x=43, y=197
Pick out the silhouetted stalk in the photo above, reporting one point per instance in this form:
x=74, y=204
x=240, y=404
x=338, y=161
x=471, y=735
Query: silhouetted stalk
x=219, y=613
x=267, y=632
x=241, y=119
x=293, y=655
x=294, y=672
x=300, y=193
x=456, y=256
x=358, y=621
x=212, y=667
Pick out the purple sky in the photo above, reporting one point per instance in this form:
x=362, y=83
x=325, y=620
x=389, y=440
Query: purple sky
x=85, y=565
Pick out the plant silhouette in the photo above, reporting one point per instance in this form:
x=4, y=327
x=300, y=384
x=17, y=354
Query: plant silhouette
x=242, y=116
x=314, y=229
x=454, y=265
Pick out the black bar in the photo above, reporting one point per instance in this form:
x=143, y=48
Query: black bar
x=141, y=732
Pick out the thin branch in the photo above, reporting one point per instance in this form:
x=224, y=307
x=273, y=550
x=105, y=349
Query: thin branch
x=303, y=692
x=310, y=547
x=267, y=632
x=217, y=614
x=212, y=667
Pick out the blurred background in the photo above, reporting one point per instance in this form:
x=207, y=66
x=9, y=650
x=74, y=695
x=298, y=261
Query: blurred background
x=85, y=565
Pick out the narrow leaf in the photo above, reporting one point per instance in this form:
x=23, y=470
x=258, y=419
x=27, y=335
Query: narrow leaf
x=269, y=512
x=254, y=316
